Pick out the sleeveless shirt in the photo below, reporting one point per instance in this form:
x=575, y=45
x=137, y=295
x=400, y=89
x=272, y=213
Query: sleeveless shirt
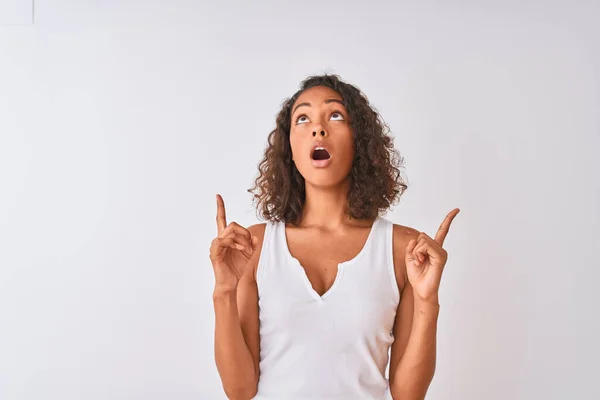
x=333, y=346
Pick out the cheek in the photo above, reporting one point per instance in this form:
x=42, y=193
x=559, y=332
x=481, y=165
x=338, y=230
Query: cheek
x=347, y=143
x=296, y=144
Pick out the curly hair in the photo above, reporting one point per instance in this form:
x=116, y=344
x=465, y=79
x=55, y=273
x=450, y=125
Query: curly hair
x=375, y=178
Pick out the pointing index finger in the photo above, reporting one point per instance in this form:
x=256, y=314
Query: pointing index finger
x=221, y=218
x=440, y=235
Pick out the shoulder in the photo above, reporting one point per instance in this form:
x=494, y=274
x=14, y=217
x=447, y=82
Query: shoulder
x=401, y=236
x=258, y=230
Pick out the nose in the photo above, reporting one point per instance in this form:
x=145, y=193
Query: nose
x=322, y=132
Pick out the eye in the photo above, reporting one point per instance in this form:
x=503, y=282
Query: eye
x=338, y=116
x=302, y=119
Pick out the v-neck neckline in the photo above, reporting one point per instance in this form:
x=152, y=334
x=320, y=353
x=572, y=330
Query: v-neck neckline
x=340, y=266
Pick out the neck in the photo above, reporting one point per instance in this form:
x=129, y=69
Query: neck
x=326, y=206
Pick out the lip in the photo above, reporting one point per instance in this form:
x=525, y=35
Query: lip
x=318, y=144
x=320, y=163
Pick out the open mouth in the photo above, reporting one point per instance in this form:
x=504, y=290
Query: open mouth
x=320, y=154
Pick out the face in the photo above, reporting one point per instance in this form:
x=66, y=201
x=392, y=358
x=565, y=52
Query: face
x=321, y=137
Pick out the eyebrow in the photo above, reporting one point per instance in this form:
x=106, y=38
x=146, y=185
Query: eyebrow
x=326, y=102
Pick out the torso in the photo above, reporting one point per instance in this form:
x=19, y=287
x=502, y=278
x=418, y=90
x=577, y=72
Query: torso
x=324, y=331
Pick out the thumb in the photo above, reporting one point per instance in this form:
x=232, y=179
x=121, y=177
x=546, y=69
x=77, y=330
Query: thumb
x=254, y=242
x=409, y=251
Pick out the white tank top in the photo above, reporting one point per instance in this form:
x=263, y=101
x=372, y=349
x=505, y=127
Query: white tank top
x=326, y=347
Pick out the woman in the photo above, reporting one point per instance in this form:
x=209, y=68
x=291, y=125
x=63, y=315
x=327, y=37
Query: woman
x=308, y=304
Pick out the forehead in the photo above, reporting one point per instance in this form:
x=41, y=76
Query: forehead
x=317, y=95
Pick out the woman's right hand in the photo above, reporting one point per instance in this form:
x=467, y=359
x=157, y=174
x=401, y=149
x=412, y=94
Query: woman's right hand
x=230, y=250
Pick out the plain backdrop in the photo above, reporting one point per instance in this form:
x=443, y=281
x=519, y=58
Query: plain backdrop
x=120, y=120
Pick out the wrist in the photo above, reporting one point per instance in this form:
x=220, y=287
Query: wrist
x=430, y=306
x=225, y=303
x=224, y=292
x=433, y=300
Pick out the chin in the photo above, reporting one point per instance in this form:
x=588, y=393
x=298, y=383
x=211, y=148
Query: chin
x=324, y=179
x=332, y=175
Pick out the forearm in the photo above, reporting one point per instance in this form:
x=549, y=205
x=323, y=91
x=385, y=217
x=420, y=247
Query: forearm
x=232, y=355
x=417, y=365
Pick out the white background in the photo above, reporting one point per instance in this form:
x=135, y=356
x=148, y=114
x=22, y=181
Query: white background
x=120, y=120
x=16, y=12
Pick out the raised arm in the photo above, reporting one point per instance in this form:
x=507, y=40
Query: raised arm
x=234, y=255
x=419, y=261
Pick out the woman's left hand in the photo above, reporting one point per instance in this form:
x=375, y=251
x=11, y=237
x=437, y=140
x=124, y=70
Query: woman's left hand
x=425, y=260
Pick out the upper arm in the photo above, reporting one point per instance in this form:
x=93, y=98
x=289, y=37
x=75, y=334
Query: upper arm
x=404, y=313
x=247, y=300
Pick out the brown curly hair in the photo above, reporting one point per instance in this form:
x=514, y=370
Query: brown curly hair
x=376, y=181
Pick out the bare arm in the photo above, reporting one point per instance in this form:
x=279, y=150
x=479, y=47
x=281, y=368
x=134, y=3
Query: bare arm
x=234, y=254
x=236, y=339
x=413, y=356
x=419, y=261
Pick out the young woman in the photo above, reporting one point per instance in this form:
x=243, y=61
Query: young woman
x=308, y=304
